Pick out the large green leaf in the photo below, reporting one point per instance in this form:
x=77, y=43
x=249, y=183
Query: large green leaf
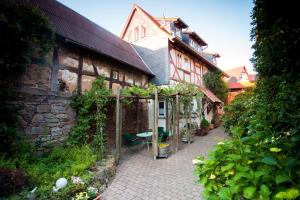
x=227, y=167
x=292, y=193
x=269, y=160
x=264, y=190
x=281, y=178
x=248, y=192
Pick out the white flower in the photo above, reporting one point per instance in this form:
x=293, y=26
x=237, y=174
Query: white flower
x=197, y=161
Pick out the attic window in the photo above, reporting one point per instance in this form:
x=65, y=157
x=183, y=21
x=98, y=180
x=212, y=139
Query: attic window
x=136, y=33
x=143, y=32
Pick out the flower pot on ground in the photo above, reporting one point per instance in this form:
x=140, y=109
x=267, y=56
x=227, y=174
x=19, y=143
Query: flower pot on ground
x=163, y=150
x=211, y=126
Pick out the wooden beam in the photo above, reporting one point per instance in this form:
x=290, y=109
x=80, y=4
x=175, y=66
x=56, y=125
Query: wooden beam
x=79, y=82
x=177, y=122
x=118, y=144
x=54, y=71
x=155, y=125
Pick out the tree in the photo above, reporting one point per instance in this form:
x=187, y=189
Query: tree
x=213, y=81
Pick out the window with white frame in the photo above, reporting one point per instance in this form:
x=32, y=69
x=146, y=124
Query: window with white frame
x=179, y=60
x=192, y=43
x=186, y=65
x=136, y=33
x=143, y=31
x=161, y=109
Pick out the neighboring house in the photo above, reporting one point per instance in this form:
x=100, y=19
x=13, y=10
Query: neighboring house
x=173, y=53
x=239, y=80
x=83, y=50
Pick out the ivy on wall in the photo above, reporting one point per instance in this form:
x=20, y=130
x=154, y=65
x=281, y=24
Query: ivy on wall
x=91, y=115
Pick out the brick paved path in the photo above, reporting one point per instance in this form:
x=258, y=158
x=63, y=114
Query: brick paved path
x=140, y=177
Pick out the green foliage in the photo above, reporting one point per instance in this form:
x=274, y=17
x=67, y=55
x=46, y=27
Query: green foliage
x=239, y=111
x=20, y=45
x=91, y=107
x=250, y=167
x=65, y=161
x=204, y=123
x=262, y=160
x=213, y=81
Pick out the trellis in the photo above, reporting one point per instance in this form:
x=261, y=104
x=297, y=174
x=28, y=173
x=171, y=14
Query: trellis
x=175, y=114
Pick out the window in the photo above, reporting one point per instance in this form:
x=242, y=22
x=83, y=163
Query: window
x=143, y=32
x=179, y=60
x=192, y=43
x=186, y=64
x=136, y=33
x=161, y=108
x=177, y=32
x=115, y=75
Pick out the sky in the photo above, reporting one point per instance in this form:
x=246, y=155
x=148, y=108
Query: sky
x=223, y=24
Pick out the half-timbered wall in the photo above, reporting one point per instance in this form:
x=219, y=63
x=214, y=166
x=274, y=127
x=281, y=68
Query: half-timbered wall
x=45, y=90
x=185, y=68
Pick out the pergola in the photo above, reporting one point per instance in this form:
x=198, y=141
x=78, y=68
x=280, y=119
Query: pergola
x=155, y=97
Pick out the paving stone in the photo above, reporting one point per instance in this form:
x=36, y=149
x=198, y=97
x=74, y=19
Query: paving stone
x=140, y=177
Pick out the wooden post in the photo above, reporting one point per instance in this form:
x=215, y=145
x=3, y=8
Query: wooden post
x=167, y=115
x=155, y=125
x=118, y=133
x=137, y=115
x=177, y=122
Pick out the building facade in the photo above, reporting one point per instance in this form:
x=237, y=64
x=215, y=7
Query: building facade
x=174, y=54
x=238, y=81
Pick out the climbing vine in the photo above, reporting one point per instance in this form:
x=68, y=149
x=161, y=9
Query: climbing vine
x=91, y=109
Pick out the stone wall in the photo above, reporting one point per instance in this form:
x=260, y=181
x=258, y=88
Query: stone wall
x=45, y=119
x=45, y=90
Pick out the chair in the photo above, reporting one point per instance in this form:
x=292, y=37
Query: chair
x=130, y=139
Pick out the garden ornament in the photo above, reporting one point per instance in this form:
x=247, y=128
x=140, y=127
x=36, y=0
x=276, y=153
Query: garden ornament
x=60, y=183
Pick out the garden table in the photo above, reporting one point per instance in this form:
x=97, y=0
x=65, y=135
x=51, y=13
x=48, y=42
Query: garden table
x=147, y=136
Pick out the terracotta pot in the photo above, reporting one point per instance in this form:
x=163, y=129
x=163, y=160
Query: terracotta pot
x=211, y=126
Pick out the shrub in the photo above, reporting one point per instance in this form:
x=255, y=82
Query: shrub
x=239, y=111
x=250, y=168
x=11, y=181
x=214, y=82
x=204, y=123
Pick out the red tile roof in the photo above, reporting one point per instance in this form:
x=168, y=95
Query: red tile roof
x=252, y=77
x=210, y=95
x=85, y=33
x=235, y=85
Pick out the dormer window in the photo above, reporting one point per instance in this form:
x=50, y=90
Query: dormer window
x=192, y=44
x=177, y=32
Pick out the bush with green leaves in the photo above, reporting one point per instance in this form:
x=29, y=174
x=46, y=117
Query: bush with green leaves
x=251, y=168
x=239, y=111
x=204, y=123
x=214, y=82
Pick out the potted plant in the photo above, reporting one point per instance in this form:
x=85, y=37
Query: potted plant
x=188, y=136
x=204, y=125
x=163, y=150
